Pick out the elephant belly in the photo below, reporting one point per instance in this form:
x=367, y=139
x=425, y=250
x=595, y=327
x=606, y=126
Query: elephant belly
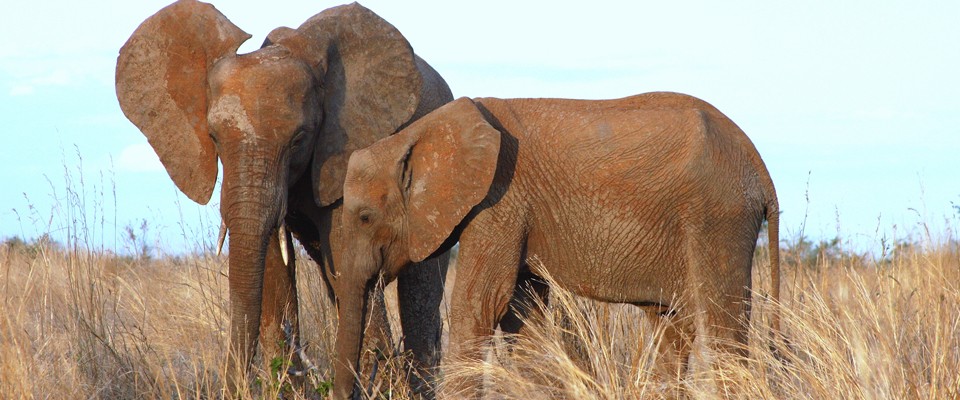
x=610, y=263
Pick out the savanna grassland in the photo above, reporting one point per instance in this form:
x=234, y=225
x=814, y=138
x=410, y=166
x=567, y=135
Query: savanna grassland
x=79, y=322
x=76, y=324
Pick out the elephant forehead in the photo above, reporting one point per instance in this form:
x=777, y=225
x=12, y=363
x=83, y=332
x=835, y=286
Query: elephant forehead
x=267, y=81
x=228, y=112
x=366, y=183
x=363, y=183
x=360, y=167
x=370, y=193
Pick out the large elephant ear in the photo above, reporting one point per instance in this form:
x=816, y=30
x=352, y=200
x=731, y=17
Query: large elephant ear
x=448, y=170
x=371, y=85
x=161, y=83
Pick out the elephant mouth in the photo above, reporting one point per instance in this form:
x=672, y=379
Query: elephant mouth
x=281, y=236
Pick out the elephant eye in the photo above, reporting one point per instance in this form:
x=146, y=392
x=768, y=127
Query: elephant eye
x=298, y=137
x=365, y=217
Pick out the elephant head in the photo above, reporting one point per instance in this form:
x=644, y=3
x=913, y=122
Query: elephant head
x=405, y=195
x=291, y=111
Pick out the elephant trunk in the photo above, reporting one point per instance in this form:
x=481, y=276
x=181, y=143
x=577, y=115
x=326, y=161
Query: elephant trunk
x=252, y=204
x=362, y=318
x=351, y=310
x=246, y=266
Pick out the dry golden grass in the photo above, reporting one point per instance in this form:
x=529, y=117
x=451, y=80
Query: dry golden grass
x=82, y=324
x=75, y=324
x=855, y=329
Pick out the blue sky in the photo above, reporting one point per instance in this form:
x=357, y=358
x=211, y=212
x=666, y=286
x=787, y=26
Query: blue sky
x=853, y=105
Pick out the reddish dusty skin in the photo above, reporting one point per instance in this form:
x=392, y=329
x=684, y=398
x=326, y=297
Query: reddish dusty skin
x=654, y=200
x=282, y=120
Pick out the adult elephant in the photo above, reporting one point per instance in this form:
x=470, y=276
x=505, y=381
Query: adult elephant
x=654, y=200
x=282, y=120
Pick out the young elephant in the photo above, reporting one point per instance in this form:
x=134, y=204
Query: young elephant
x=654, y=200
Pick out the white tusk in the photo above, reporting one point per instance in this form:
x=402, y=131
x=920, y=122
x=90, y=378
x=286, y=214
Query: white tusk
x=221, y=237
x=282, y=233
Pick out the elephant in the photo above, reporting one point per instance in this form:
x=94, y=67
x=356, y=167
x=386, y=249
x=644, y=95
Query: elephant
x=282, y=121
x=655, y=200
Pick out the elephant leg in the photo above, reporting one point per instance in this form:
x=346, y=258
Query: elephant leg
x=719, y=284
x=487, y=270
x=529, y=291
x=280, y=308
x=377, y=336
x=726, y=318
x=419, y=291
x=676, y=341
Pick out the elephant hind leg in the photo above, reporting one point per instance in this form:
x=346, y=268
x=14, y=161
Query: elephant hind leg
x=719, y=282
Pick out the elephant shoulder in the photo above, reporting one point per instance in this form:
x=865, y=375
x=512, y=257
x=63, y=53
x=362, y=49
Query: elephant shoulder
x=500, y=113
x=492, y=103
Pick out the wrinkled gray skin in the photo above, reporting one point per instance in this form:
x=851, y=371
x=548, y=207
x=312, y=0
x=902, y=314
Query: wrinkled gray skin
x=283, y=120
x=654, y=200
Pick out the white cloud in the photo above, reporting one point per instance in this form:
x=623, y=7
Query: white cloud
x=26, y=81
x=22, y=90
x=29, y=74
x=139, y=158
x=58, y=77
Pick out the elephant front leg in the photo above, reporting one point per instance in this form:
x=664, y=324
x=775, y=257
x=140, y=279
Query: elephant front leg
x=280, y=312
x=419, y=292
x=377, y=339
x=676, y=341
x=487, y=269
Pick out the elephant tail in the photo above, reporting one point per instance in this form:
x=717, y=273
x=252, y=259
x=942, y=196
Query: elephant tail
x=773, y=241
